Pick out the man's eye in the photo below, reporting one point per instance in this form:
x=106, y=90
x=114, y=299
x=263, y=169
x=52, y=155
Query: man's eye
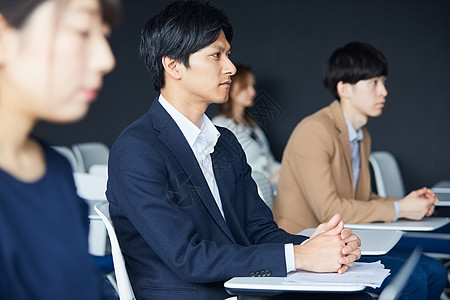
x=216, y=55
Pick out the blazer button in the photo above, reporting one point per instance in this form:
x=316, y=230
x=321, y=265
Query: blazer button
x=268, y=273
x=252, y=274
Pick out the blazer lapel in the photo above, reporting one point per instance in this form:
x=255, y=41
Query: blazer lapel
x=226, y=183
x=175, y=141
x=338, y=117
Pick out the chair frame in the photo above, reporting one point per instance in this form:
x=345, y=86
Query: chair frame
x=123, y=281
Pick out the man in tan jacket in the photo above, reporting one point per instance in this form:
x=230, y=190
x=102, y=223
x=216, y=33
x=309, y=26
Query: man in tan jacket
x=325, y=166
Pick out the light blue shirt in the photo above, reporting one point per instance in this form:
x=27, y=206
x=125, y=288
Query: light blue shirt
x=355, y=136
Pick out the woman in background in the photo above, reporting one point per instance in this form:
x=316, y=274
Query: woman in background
x=234, y=115
x=53, y=55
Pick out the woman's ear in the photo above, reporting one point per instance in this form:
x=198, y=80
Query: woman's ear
x=171, y=67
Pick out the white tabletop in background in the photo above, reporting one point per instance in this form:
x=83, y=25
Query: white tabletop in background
x=426, y=224
x=442, y=191
x=444, y=198
x=373, y=242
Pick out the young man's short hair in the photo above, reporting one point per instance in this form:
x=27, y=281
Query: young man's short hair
x=182, y=28
x=352, y=63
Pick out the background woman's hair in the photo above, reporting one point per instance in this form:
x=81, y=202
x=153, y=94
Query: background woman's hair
x=240, y=81
x=16, y=12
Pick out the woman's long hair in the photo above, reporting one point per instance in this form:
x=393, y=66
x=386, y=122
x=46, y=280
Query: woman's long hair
x=240, y=78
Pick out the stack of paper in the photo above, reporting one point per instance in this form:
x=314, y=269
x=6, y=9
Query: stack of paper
x=367, y=274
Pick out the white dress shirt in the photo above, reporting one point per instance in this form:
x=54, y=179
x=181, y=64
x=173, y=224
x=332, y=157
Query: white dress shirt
x=202, y=141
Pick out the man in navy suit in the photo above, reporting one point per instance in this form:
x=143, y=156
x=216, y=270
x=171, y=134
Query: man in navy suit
x=184, y=205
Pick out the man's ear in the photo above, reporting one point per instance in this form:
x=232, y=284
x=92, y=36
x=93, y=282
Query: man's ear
x=171, y=66
x=3, y=29
x=6, y=33
x=344, y=90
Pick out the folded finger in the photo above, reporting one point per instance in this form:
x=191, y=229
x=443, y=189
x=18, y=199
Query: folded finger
x=353, y=238
x=342, y=269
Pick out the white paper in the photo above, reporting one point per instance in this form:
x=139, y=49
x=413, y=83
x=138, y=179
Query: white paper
x=367, y=274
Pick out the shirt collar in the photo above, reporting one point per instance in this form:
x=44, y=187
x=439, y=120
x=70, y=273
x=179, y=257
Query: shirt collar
x=201, y=140
x=353, y=135
x=207, y=139
x=189, y=129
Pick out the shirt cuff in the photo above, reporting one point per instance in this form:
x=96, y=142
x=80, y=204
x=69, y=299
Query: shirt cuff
x=290, y=258
x=397, y=210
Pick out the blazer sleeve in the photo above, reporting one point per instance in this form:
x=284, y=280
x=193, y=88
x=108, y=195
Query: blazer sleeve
x=141, y=185
x=311, y=156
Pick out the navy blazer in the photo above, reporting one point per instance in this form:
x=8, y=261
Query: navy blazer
x=175, y=241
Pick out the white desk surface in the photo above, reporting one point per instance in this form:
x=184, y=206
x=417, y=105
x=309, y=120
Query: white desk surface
x=426, y=224
x=276, y=285
x=373, y=242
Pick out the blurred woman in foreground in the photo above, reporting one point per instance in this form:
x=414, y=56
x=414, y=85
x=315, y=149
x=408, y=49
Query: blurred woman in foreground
x=53, y=55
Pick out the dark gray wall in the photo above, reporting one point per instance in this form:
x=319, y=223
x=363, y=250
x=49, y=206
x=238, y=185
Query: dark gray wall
x=287, y=43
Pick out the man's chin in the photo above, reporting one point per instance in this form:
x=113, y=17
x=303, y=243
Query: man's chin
x=377, y=113
x=221, y=100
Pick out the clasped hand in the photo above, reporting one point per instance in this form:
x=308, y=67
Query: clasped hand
x=331, y=248
x=418, y=204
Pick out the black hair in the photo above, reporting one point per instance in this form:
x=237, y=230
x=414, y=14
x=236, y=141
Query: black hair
x=182, y=28
x=352, y=63
x=16, y=12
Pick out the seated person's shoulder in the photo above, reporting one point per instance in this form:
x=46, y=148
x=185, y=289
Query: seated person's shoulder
x=134, y=143
x=223, y=121
x=226, y=135
x=316, y=129
x=316, y=123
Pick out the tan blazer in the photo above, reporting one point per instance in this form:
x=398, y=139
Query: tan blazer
x=316, y=176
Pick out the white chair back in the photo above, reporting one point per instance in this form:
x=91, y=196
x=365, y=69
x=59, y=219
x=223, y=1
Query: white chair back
x=90, y=186
x=99, y=169
x=388, y=178
x=92, y=189
x=123, y=281
x=91, y=154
